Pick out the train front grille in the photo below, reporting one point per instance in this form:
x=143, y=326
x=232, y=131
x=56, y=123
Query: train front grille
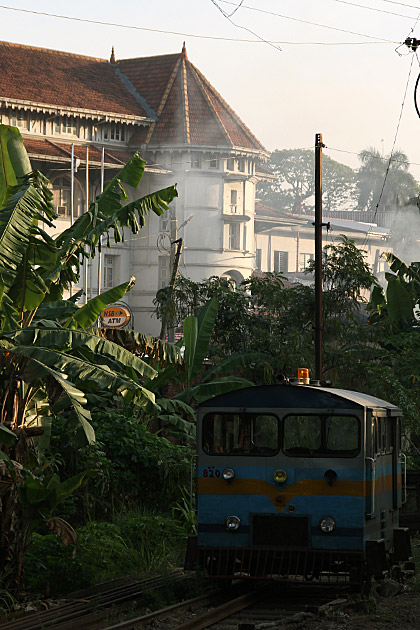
x=275, y=530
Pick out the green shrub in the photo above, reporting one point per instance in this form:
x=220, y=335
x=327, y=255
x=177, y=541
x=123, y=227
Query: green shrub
x=133, y=467
x=134, y=544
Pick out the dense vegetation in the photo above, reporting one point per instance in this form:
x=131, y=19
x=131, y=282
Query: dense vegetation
x=344, y=188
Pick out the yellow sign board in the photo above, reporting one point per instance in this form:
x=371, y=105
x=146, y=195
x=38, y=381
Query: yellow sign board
x=115, y=316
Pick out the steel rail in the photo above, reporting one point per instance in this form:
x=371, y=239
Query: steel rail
x=223, y=611
x=160, y=613
x=101, y=597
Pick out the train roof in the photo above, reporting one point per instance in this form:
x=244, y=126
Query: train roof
x=290, y=396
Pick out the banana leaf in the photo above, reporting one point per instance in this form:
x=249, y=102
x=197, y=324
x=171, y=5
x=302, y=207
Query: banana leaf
x=14, y=161
x=69, y=341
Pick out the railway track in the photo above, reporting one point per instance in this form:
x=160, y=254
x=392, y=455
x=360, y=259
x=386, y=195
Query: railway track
x=94, y=608
x=120, y=605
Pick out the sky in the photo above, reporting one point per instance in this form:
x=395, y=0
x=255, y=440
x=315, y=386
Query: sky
x=353, y=81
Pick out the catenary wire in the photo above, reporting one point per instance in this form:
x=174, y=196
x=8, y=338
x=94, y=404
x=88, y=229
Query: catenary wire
x=393, y=147
x=379, y=40
x=245, y=28
x=401, y=4
x=364, y=6
x=288, y=17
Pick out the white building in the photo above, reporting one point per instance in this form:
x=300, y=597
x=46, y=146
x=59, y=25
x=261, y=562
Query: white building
x=163, y=107
x=285, y=242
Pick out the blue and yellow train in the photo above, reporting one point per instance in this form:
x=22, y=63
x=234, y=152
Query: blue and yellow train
x=300, y=483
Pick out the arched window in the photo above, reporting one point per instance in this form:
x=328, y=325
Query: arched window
x=61, y=190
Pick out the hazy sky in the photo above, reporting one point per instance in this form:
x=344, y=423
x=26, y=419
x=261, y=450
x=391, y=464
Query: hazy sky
x=351, y=92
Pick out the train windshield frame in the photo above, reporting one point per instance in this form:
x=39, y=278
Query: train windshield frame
x=241, y=434
x=321, y=435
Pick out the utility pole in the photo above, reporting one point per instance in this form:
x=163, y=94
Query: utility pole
x=169, y=314
x=318, y=255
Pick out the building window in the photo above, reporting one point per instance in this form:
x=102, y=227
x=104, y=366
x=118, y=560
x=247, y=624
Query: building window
x=61, y=190
x=241, y=165
x=281, y=262
x=164, y=223
x=230, y=164
x=19, y=118
x=214, y=163
x=164, y=271
x=114, y=132
x=66, y=125
x=234, y=235
x=258, y=259
x=109, y=271
x=304, y=260
x=195, y=160
x=234, y=201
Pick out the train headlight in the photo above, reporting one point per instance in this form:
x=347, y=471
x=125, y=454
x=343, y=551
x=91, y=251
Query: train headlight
x=232, y=523
x=327, y=524
x=228, y=474
x=280, y=476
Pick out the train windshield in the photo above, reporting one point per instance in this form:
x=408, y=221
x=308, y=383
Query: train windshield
x=321, y=435
x=240, y=434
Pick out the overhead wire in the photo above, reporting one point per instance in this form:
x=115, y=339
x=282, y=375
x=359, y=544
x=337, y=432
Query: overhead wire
x=364, y=6
x=393, y=147
x=402, y=4
x=288, y=17
x=245, y=28
x=378, y=40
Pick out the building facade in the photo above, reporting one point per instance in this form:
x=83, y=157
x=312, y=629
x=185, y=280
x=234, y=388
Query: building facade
x=96, y=114
x=82, y=118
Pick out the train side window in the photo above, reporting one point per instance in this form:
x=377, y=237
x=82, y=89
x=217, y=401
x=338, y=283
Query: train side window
x=374, y=437
x=398, y=432
x=382, y=435
x=240, y=434
x=389, y=445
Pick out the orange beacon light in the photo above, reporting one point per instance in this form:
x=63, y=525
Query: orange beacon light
x=303, y=374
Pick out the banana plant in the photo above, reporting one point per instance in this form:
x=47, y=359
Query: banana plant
x=195, y=380
x=51, y=360
x=398, y=303
x=35, y=270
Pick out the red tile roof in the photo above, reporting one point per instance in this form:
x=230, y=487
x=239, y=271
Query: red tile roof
x=189, y=109
x=168, y=88
x=57, y=78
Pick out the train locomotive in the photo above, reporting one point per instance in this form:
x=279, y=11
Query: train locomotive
x=299, y=482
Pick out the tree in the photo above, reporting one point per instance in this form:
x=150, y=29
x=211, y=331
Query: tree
x=294, y=187
x=269, y=317
x=374, y=190
x=51, y=361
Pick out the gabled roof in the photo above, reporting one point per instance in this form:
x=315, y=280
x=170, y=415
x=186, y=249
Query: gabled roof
x=188, y=108
x=39, y=76
x=167, y=93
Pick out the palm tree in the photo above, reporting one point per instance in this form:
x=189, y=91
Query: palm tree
x=384, y=182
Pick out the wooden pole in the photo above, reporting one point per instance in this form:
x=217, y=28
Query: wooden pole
x=318, y=255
